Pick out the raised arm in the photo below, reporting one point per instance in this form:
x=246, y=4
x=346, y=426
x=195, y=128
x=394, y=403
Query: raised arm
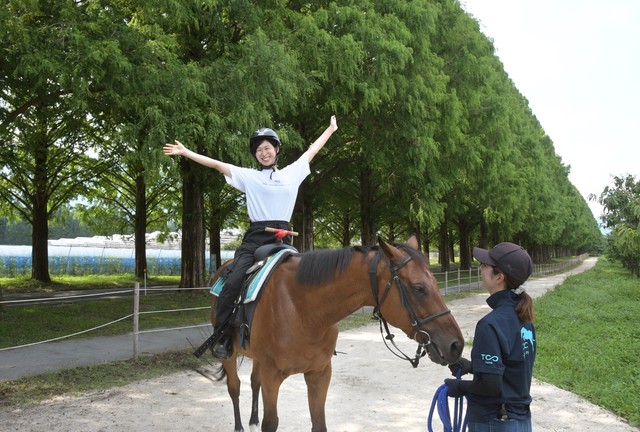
x=322, y=139
x=177, y=149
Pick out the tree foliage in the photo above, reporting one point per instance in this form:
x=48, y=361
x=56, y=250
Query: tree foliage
x=434, y=137
x=621, y=204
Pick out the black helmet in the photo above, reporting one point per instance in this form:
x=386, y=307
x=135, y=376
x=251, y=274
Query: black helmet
x=263, y=134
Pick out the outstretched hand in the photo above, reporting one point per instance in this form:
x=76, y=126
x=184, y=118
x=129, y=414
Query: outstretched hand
x=176, y=149
x=333, y=124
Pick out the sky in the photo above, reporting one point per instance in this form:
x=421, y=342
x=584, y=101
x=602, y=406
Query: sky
x=578, y=64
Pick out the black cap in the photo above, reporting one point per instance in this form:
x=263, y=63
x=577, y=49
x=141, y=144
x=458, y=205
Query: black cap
x=509, y=258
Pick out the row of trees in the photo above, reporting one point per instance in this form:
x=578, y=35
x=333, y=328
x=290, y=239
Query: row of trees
x=621, y=203
x=434, y=137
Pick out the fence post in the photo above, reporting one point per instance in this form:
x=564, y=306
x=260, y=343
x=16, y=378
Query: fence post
x=446, y=282
x=136, y=310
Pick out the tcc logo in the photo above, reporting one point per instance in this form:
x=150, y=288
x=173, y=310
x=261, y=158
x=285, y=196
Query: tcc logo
x=488, y=358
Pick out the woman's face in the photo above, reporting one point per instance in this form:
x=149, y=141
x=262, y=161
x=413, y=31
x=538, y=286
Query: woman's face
x=489, y=278
x=266, y=153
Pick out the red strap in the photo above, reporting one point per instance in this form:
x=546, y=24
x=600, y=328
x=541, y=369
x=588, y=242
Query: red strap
x=280, y=233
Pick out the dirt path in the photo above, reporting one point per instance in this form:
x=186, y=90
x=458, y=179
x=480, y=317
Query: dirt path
x=371, y=390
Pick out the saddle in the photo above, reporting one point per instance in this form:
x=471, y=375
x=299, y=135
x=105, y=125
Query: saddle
x=266, y=258
x=267, y=250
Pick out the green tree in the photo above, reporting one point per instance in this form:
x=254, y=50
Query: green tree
x=136, y=194
x=389, y=84
x=58, y=56
x=45, y=167
x=621, y=204
x=247, y=77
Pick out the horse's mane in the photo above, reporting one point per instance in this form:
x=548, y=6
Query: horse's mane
x=322, y=265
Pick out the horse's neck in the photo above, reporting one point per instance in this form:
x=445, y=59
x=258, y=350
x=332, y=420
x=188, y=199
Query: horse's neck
x=348, y=292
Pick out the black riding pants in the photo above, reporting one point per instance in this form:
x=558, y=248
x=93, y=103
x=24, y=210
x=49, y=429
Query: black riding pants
x=234, y=274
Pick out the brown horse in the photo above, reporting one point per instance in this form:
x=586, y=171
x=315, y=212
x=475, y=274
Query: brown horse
x=295, y=326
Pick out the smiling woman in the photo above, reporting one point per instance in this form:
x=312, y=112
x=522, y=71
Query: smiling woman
x=270, y=195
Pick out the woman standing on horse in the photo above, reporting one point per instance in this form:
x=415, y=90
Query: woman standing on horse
x=270, y=195
x=504, y=346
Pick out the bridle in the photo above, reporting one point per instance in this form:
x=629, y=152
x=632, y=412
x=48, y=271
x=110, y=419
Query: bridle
x=416, y=322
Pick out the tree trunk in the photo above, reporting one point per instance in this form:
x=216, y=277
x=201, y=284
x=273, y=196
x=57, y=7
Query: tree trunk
x=303, y=220
x=215, y=247
x=140, y=227
x=452, y=251
x=40, y=222
x=193, y=237
x=39, y=245
x=415, y=230
x=367, y=214
x=443, y=248
x=465, y=250
x=392, y=233
x=426, y=245
x=484, y=236
x=346, y=230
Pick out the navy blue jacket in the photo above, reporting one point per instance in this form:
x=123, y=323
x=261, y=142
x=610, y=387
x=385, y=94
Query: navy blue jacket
x=503, y=345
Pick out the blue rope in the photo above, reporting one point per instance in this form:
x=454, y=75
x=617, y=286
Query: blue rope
x=440, y=399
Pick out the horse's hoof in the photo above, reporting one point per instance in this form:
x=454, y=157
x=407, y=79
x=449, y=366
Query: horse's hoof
x=254, y=428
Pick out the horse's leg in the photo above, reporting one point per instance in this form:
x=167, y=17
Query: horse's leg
x=233, y=387
x=271, y=381
x=317, y=388
x=254, y=421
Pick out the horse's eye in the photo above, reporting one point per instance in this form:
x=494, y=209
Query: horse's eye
x=419, y=288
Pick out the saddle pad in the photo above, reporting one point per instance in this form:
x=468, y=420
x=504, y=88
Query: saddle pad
x=258, y=279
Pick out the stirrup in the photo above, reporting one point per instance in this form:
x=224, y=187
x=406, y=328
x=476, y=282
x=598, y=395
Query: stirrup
x=222, y=350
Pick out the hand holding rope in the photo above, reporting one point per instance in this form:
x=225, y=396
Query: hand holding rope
x=440, y=399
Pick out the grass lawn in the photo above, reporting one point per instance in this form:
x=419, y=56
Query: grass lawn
x=588, y=332
x=24, y=284
x=34, y=323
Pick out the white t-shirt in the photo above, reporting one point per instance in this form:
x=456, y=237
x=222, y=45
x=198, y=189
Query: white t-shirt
x=270, y=195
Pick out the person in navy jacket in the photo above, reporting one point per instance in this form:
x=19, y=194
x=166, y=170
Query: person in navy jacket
x=504, y=346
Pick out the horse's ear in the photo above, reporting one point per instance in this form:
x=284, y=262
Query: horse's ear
x=384, y=246
x=388, y=249
x=412, y=242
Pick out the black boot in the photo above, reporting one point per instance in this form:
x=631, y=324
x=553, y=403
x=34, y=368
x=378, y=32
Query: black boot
x=222, y=350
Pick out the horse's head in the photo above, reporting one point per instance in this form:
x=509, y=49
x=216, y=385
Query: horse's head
x=409, y=298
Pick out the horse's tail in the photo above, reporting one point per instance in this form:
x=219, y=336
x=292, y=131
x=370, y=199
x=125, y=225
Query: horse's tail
x=220, y=373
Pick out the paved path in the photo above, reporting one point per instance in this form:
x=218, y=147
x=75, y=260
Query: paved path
x=52, y=356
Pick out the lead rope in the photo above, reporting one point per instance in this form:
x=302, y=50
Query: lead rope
x=441, y=400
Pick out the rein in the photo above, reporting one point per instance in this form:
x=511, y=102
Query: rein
x=441, y=401
x=416, y=322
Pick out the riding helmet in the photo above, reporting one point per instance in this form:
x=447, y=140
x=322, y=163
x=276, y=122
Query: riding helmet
x=263, y=134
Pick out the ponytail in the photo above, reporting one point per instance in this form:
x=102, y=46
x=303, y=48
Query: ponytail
x=524, y=308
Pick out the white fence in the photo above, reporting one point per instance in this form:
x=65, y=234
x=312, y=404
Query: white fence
x=451, y=282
